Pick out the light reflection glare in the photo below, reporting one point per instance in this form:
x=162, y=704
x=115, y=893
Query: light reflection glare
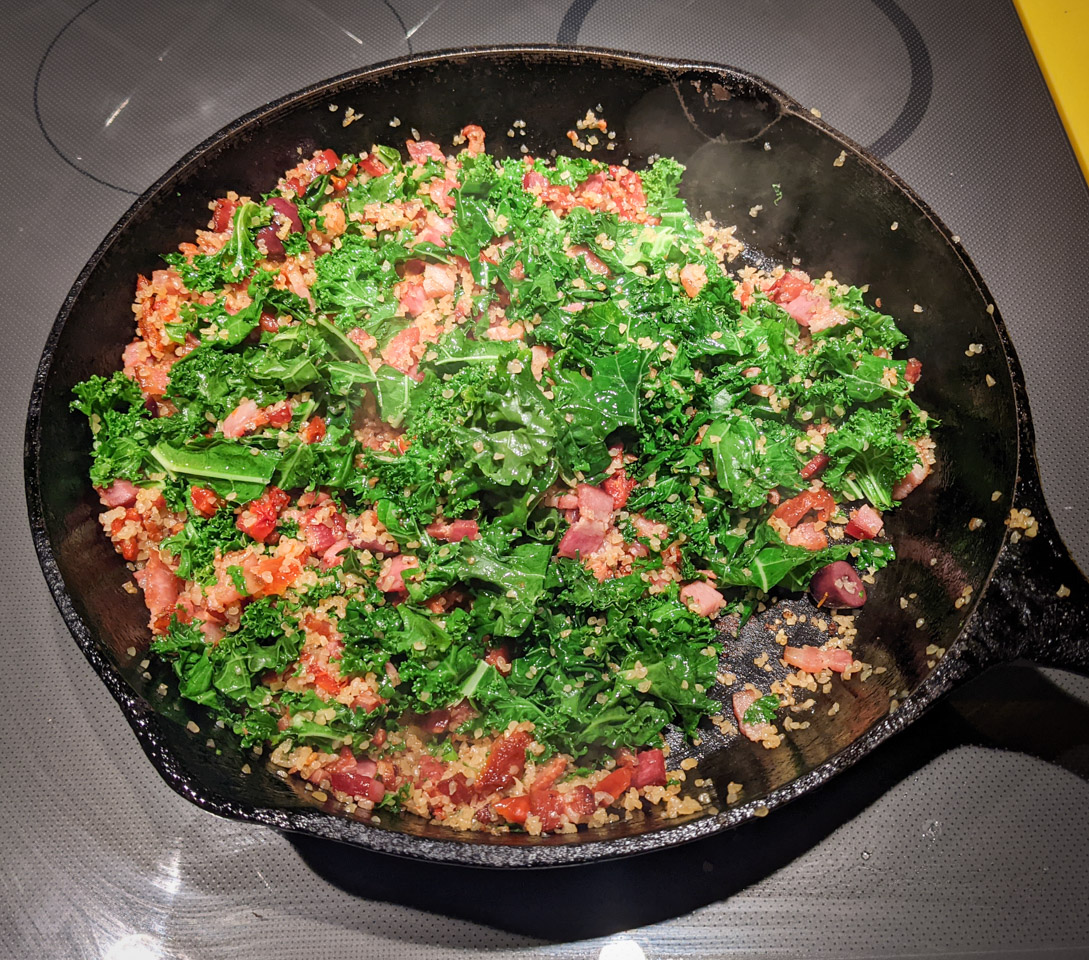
x=169, y=879
x=411, y=30
x=117, y=110
x=135, y=946
x=622, y=950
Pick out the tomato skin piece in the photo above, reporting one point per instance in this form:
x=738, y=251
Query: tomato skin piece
x=615, y=785
x=815, y=467
x=791, y=511
x=512, y=809
x=506, y=761
x=619, y=486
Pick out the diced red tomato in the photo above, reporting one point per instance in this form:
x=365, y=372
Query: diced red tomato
x=693, y=278
x=475, y=135
x=614, y=785
x=500, y=658
x=791, y=511
x=453, y=531
x=807, y=535
x=269, y=322
x=815, y=467
x=788, y=287
x=258, y=517
x=372, y=165
x=913, y=370
x=865, y=523
x=506, y=761
x=512, y=809
x=279, y=414
x=204, y=501
x=314, y=431
x=619, y=486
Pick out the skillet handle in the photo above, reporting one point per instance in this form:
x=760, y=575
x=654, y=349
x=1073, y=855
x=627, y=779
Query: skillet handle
x=1027, y=609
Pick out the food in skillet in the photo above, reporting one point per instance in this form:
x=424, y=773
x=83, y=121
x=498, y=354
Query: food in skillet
x=438, y=473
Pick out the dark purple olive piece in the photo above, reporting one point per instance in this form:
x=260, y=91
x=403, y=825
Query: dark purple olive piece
x=286, y=211
x=274, y=248
x=838, y=585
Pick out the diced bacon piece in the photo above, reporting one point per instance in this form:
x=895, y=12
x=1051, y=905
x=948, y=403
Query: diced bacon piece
x=412, y=296
x=693, y=278
x=321, y=534
x=700, y=597
x=454, y=531
x=807, y=535
x=649, y=769
x=161, y=588
x=332, y=557
x=865, y=523
x=533, y=181
x=742, y=700
x=423, y=150
x=244, y=419
x=593, y=262
x=913, y=370
x=582, y=539
x=540, y=359
x=475, y=135
x=814, y=659
x=440, y=279
x=594, y=503
x=223, y=214
x=814, y=312
x=915, y=476
x=391, y=578
x=398, y=353
x=120, y=493
x=440, y=193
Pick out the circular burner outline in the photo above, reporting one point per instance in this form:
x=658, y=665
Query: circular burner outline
x=922, y=71
x=38, y=114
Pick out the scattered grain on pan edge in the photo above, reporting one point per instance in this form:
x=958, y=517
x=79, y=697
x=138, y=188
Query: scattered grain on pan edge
x=1063, y=591
x=1021, y=520
x=839, y=161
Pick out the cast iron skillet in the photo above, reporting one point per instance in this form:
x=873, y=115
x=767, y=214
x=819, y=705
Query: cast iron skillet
x=739, y=136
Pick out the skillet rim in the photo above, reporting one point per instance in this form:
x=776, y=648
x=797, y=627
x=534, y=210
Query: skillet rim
x=962, y=659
